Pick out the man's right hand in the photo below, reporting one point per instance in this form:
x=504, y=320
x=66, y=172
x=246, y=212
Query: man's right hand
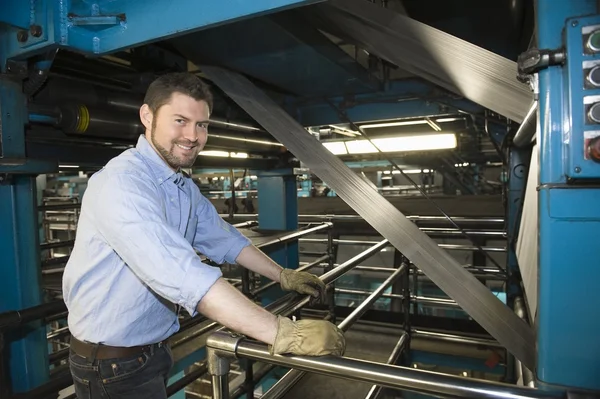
x=308, y=338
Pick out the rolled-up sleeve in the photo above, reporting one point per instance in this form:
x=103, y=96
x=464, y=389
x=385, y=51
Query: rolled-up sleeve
x=131, y=217
x=216, y=238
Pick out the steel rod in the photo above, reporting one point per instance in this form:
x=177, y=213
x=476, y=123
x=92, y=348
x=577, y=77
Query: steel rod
x=295, y=235
x=456, y=247
x=434, y=335
x=16, y=318
x=348, y=265
x=416, y=218
x=419, y=299
x=58, y=244
x=220, y=387
x=285, y=383
x=397, y=377
x=187, y=379
x=367, y=303
x=375, y=390
x=292, y=377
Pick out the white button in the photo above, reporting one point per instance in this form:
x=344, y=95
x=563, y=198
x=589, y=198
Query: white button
x=160, y=180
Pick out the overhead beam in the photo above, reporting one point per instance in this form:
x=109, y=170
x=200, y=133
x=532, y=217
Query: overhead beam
x=475, y=298
x=117, y=25
x=407, y=98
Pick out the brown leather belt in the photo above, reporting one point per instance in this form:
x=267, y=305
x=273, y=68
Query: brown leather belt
x=100, y=351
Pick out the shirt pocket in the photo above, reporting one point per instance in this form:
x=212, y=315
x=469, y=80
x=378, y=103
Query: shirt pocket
x=190, y=231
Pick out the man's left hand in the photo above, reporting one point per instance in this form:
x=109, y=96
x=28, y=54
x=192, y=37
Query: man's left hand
x=303, y=282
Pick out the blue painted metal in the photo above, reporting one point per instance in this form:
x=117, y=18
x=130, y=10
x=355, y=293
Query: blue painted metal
x=578, y=164
x=456, y=362
x=399, y=99
x=92, y=28
x=278, y=211
x=518, y=165
x=20, y=276
x=284, y=51
x=17, y=13
x=569, y=218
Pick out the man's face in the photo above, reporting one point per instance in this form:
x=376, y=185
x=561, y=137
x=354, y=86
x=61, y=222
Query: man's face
x=178, y=130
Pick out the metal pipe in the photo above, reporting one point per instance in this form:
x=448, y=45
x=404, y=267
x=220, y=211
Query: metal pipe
x=526, y=133
x=477, y=271
x=353, y=262
x=249, y=223
x=295, y=235
x=58, y=207
x=424, y=300
x=458, y=247
x=396, y=377
x=416, y=218
x=220, y=386
x=438, y=336
x=292, y=377
x=285, y=383
x=367, y=303
x=187, y=379
x=59, y=244
x=525, y=373
x=375, y=390
x=16, y=318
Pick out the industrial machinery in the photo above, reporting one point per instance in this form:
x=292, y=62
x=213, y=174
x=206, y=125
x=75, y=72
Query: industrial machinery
x=435, y=163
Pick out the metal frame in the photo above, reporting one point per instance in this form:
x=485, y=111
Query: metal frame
x=223, y=346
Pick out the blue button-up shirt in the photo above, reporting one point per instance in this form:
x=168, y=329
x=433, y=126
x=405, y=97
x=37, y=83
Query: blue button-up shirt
x=135, y=257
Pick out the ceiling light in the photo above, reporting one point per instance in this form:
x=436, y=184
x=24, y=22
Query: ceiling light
x=68, y=166
x=238, y=155
x=336, y=147
x=215, y=153
x=416, y=143
x=391, y=124
x=360, y=147
x=442, y=120
x=265, y=142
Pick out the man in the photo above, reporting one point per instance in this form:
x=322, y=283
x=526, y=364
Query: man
x=134, y=261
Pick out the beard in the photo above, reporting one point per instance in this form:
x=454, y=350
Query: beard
x=169, y=156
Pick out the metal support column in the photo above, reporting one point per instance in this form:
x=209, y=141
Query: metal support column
x=278, y=211
x=569, y=219
x=25, y=349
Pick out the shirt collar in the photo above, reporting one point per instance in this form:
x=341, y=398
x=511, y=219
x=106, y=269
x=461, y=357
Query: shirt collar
x=161, y=171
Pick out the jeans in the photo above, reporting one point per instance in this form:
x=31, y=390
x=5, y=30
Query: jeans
x=143, y=376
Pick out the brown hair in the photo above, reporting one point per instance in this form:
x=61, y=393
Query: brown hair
x=160, y=91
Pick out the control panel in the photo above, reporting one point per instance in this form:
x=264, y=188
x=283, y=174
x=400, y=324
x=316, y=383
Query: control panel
x=582, y=80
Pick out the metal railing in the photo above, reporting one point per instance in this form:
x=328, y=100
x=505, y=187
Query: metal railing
x=223, y=346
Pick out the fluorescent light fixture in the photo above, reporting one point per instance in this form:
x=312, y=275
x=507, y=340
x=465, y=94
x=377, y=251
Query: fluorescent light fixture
x=360, y=147
x=68, y=166
x=244, y=139
x=442, y=120
x=420, y=142
x=336, y=147
x=416, y=143
x=224, y=154
x=214, y=153
x=391, y=124
x=238, y=155
x=407, y=171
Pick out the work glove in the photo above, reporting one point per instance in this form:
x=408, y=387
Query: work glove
x=307, y=338
x=303, y=283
